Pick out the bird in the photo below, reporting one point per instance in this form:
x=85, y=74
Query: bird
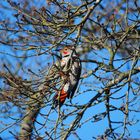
x=69, y=74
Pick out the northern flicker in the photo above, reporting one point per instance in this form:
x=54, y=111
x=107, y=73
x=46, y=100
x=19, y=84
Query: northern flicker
x=70, y=75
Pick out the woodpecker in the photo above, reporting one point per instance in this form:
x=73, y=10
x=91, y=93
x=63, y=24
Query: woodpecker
x=70, y=74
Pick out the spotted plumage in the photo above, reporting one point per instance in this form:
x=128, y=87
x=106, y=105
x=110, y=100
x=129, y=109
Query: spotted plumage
x=70, y=75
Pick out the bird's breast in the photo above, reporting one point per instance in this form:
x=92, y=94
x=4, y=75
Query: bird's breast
x=64, y=61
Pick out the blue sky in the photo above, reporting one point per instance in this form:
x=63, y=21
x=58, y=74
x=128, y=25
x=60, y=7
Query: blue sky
x=89, y=129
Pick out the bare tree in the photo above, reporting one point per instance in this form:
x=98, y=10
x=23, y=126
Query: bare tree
x=105, y=34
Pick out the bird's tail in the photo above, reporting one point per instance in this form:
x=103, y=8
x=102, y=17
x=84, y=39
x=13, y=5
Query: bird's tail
x=59, y=98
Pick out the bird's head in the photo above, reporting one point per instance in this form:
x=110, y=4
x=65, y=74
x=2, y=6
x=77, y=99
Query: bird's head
x=66, y=51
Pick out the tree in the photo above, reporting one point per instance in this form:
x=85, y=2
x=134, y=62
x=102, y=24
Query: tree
x=106, y=36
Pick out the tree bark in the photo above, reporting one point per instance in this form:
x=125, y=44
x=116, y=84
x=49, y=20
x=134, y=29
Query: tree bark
x=28, y=123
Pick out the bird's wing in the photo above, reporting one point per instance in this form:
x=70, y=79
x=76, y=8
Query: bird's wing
x=74, y=75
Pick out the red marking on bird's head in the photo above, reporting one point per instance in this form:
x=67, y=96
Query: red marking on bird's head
x=66, y=50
